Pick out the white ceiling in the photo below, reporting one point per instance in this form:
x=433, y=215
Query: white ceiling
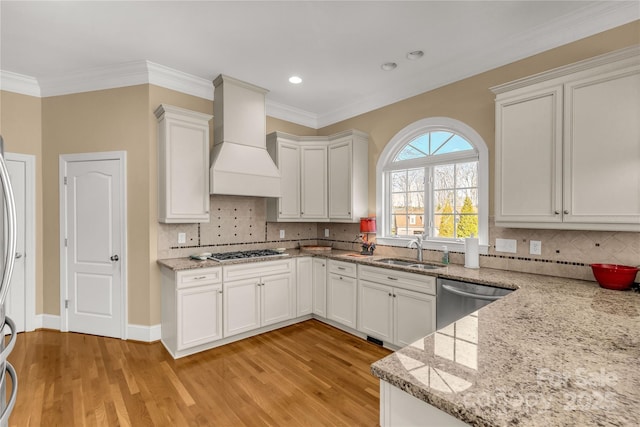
x=337, y=47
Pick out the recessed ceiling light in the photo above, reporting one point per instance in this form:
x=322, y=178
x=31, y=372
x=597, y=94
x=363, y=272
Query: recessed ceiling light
x=295, y=80
x=416, y=54
x=388, y=66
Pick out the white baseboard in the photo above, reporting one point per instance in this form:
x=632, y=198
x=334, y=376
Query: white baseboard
x=134, y=332
x=47, y=321
x=144, y=333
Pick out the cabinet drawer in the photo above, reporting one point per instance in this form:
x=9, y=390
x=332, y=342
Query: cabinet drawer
x=198, y=277
x=401, y=279
x=257, y=269
x=343, y=268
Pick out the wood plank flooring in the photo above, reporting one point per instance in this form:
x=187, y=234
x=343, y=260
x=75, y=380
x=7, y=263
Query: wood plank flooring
x=308, y=374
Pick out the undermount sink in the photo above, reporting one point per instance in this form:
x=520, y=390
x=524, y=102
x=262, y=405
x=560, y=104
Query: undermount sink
x=405, y=263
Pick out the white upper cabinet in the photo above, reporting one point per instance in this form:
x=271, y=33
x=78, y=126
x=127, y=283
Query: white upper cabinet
x=568, y=147
x=313, y=182
x=348, y=177
x=183, y=165
x=323, y=178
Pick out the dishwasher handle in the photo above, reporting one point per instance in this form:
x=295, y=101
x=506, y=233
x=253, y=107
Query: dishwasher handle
x=453, y=290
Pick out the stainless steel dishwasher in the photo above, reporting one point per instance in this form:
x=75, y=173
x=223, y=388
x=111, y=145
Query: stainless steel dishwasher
x=455, y=299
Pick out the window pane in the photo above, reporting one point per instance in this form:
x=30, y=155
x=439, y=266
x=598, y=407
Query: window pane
x=399, y=203
x=416, y=179
x=437, y=139
x=399, y=225
x=466, y=201
x=455, y=144
x=467, y=174
x=443, y=221
x=421, y=143
x=443, y=177
x=398, y=181
x=408, y=152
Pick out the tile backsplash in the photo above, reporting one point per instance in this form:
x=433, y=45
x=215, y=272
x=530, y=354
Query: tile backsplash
x=239, y=223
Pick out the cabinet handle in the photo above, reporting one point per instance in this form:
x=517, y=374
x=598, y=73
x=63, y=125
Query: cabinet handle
x=557, y=212
x=392, y=278
x=566, y=212
x=341, y=268
x=199, y=277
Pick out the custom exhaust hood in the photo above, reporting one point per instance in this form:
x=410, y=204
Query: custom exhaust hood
x=240, y=163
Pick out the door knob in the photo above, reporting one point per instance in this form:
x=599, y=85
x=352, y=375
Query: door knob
x=115, y=258
x=18, y=255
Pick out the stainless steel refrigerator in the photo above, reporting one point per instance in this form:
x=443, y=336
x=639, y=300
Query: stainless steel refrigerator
x=7, y=260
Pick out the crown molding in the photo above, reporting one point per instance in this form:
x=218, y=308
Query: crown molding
x=291, y=114
x=179, y=81
x=19, y=83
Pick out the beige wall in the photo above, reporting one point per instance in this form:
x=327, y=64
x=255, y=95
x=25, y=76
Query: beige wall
x=108, y=120
x=471, y=101
x=21, y=128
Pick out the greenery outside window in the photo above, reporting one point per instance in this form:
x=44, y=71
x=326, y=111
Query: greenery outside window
x=432, y=180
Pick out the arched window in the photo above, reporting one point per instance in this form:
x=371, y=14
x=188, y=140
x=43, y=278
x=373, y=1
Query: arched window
x=432, y=179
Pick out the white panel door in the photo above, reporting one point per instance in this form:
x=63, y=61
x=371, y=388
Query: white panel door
x=340, y=181
x=304, y=286
x=313, y=163
x=241, y=306
x=94, y=247
x=342, y=299
x=277, y=299
x=375, y=314
x=289, y=165
x=414, y=316
x=320, y=287
x=15, y=303
x=199, y=314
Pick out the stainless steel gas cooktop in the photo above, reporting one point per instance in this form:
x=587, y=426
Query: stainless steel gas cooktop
x=232, y=256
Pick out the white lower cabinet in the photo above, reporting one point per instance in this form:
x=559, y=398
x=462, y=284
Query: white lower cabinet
x=191, y=308
x=395, y=307
x=320, y=287
x=304, y=286
x=342, y=293
x=262, y=295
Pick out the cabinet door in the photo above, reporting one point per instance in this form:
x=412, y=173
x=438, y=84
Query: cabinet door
x=183, y=165
x=414, y=316
x=241, y=306
x=340, y=181
x=276, y=299
x=289, y=165
x=375, y=310
x=320, y=287
x=342, y=299
x=602, y=148
x=304, y=286
x=199, y=315
x=528, y=156
x=314, y=182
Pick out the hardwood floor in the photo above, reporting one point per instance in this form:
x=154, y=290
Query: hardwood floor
x=308, y=374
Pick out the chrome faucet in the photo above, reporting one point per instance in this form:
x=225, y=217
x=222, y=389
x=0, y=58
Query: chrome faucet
x=418, y=241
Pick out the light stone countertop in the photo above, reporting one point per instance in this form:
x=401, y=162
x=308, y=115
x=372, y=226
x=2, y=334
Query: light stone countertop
x=557, y=352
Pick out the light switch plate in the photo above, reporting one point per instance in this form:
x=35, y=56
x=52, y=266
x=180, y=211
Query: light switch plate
x=326, y=232
x=507, y=245
x=282, y=234
x=182, y=237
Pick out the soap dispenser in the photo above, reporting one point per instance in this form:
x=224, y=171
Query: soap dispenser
x=445, y=255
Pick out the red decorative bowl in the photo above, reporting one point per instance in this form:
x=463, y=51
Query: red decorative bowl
x=614, y=276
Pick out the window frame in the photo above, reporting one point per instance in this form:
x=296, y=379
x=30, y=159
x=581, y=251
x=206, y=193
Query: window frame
x=385, y=164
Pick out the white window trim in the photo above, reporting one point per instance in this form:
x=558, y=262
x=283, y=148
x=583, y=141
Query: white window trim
x=396, y=143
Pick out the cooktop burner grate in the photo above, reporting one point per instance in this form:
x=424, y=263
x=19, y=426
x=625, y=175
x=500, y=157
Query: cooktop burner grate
x=258, y=253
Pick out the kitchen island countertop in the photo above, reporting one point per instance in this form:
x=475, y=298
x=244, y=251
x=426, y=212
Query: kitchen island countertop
x=557, y=352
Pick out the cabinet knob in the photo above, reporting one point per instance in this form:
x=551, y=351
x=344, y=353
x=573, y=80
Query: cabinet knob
x=220, y=291
x=566, y=212
x=557, y=212
x=394, y=295
x=301, y=213
x=389, y=293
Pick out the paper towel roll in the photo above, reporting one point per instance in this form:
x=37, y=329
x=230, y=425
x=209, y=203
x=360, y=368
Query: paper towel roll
x=471, y=253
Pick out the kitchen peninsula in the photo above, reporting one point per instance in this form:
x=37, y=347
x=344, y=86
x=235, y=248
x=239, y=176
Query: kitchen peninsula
x=557, y=351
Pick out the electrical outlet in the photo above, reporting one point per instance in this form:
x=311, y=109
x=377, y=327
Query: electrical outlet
x=326, y=232
x=282, y=234
x=507, y=245
x=535, y=247
x=182, y=237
